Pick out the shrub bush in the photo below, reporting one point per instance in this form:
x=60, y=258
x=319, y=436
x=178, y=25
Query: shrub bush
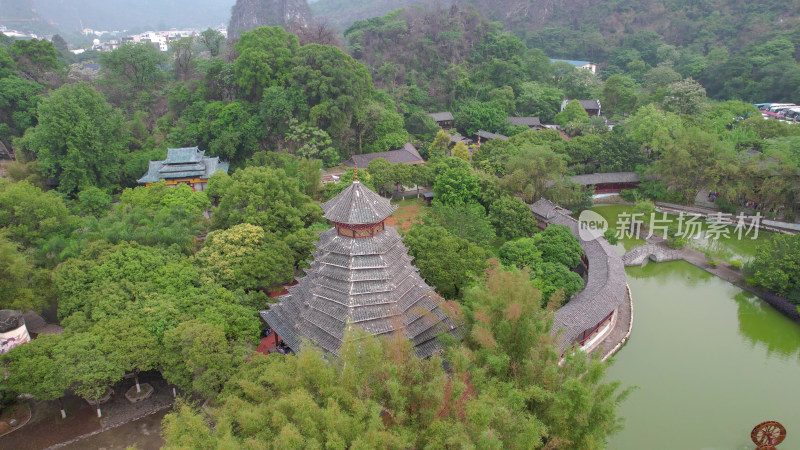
x=629, y=195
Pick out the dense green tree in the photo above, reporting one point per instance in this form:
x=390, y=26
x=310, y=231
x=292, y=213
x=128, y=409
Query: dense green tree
x=551, y=278
x=213, y=41
x=582, y=149
x=466, y=221
x=22, y=286
x=34, y=368
x=130, y=343
x=619, y=94
x=246, y=257
x=421, y=125
x=651, y=127
x=378, y=128
x=183, y=51
x=18, y=100
x=695, y=160
x=88, y=365
x=265, y=60
x=134, y=66
x=475, y=115
x=79, y=139
x=660, y=77
x=620, y=153
x=264, y=197
x=383, y=175
x=34, y=56
x=7, y=65
x=529, y=170
x=456, y=186
x=573, y=112
x=580, y=84
x=559, y=245
x=447, y=262
x=93, y=201
x=460, y=151
x=308, y=141
x=539, y=100
x=521, y=253
x=511, y=218
x=28, y=215
x=440, y=145
x=685, y=97
x=509, y=343
x=198, y=358
x=777, y=267
x=333, y=85
x=376, y=394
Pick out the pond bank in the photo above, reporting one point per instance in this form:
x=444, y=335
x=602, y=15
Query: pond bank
x=720, y=270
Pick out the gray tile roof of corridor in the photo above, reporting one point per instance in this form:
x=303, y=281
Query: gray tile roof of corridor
x=605, y=288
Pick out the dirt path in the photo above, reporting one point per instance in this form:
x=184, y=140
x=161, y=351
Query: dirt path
x=144, y=433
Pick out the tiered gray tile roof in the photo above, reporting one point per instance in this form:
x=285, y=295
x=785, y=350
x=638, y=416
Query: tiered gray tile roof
x=189, y=162
x=606, y=287
x=366, y=282
x=357, y=205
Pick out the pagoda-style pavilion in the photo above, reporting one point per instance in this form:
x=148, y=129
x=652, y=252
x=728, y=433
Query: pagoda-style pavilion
x=361, y=276
x=184, y=166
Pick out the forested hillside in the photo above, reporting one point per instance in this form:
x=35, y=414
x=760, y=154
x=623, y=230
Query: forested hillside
x=753, y=44
x=439, y=44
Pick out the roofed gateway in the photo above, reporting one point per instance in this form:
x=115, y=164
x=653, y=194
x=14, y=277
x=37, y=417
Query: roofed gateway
x=361, y=276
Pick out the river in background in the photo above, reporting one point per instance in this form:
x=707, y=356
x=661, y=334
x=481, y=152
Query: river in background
x=708, y=361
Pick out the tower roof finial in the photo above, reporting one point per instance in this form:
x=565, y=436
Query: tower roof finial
x=355, y=174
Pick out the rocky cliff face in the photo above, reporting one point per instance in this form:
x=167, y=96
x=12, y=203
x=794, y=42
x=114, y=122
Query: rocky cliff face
x=249, y=14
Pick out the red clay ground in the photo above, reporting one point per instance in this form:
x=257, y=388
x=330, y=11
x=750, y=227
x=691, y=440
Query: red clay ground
x=21, y=412
x=408, y=213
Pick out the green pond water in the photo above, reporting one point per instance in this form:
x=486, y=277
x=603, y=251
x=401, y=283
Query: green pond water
x=728, y=247
x=708, y=361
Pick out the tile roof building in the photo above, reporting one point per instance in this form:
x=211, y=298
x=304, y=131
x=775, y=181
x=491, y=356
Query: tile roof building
x=591, y=309
x=187, y=165
x=532, y=122
x=483, y=136
x=408, y=154
x=361, y=276
x=592, y=107
x=443, y=119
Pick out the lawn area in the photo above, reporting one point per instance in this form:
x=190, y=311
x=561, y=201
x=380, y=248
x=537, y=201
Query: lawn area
x=409, y=212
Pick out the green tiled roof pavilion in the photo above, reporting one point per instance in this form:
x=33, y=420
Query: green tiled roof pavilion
x=188, y=163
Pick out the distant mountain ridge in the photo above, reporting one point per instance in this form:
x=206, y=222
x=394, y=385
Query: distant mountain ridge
x=72, y=15
x=22, y=15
